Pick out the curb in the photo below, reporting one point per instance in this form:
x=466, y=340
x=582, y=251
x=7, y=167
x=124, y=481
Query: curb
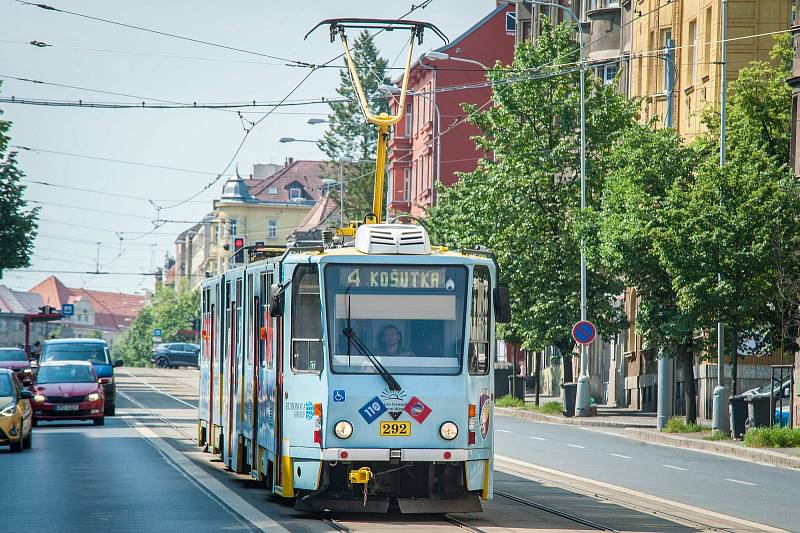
x=586, y=422
x=756, y=455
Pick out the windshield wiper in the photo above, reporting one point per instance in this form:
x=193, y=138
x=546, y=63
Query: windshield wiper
x=363, y=350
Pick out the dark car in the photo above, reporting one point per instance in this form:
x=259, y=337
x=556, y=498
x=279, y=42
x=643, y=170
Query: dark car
x=16, y=360
x=174, y=354
x=68, y=390
x=94, y=351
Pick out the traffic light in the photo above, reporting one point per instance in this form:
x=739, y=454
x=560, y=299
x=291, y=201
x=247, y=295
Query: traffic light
x=238, y=250
x=47, y=310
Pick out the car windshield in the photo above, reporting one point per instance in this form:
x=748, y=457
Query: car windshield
x=410, y=318
x=12, y=354
x=93, y=352
x=6, y=387
x=65, y=374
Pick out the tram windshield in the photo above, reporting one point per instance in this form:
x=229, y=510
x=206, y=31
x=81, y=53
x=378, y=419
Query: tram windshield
x=411, y=318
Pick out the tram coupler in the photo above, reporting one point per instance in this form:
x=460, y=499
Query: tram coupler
x=360, y=476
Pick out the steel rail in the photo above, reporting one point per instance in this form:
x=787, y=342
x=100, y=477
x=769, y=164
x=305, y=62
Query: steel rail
x=557, y=512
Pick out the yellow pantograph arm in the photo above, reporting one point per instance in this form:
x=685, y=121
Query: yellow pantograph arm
x=383, y=119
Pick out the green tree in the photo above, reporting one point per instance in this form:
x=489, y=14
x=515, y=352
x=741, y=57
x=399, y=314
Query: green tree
x=350, y=139
x=18, y=230
x=645, y=165
x=524, y=204
x=168, y=310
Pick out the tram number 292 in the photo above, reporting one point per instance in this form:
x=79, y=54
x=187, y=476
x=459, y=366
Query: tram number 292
x=395, y=429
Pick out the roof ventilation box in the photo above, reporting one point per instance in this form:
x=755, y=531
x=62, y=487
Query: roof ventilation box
x=404, y=239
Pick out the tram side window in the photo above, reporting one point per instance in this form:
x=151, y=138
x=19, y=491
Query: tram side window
x=480, y=322
x=306, y=320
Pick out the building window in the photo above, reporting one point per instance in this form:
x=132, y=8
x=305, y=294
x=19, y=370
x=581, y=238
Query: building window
x=295, y=193
x=666, y=37
x=707, y=37
x=273, y=191
x=233, y=226
x=607, y=73
x=272, y=229
x=406, y=184
x=408, y=127
x=602, y=4
x=415, y=175
x=692, y=51
x=511, y=22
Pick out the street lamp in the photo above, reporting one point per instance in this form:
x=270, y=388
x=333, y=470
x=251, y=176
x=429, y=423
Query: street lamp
x=392, y=89
x=313, y=121
x=582, y=399
x=432, y=55
x=293, y=140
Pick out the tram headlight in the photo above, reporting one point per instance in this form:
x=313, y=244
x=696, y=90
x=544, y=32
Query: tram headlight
x=343, y=429
x=448, y=430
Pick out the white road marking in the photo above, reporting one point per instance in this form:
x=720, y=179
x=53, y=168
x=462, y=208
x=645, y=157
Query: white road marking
x=675, y=467
x=538, y=438
x=137, y=378
x=577, y=446
x=210, y=483
x=503, y=431
x=741, y=482
x=621, y=456
x=507, y=464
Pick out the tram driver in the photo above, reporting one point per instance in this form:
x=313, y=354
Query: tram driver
x=391, y=342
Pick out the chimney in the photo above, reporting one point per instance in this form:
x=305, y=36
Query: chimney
x=289, y=161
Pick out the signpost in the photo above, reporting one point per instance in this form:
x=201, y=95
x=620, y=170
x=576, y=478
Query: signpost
x=584, y=332
x=157, y=335
x=67, y=310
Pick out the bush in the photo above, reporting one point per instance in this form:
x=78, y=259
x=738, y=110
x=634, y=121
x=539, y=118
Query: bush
x=772, y=438
x=509, y=401
x=677, y=424
x=551, y=408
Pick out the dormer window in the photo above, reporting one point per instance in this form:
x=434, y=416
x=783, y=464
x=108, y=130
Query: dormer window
x=295, y=193
x=273, y=191
x=511, y=22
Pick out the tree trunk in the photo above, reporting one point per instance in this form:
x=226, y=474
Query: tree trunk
x=686, y=361
x=734, y=360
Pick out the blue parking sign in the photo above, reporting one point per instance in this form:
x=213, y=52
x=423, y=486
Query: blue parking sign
x=372, y=410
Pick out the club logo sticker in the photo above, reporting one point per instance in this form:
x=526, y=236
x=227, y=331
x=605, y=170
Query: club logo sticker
x=372, y=410
x=417, y=409
x=485, y=406
x=301, y=409
x=394, y=401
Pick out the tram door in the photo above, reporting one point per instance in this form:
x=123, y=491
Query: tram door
x=211, y=332
x=225, y=385
x=265, y=428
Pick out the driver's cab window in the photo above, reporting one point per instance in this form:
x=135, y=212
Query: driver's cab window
x=480, y=321
x=306, y=320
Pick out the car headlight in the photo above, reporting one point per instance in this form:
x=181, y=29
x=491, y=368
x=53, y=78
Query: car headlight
x=448, y=431
x=28, y=371
x=8, y=410
x=93, y=397
x=343, y=429
x=38, y=398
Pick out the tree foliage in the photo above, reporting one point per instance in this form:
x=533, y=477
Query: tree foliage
x=19, y=226
x=349, y=137
x=168, y=310
x=524, y=205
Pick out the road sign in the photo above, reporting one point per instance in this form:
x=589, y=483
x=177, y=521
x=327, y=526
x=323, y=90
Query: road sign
x=67, y=309
x=157, y=332
x=584, y=332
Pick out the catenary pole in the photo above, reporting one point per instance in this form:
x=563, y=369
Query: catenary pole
x=719, y=412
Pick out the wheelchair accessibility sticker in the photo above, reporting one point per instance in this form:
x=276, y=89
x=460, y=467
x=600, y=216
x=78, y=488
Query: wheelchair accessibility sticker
x=372, y=410
x=339, y=395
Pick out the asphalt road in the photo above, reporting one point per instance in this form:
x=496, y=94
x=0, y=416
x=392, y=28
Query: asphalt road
x=762, y=494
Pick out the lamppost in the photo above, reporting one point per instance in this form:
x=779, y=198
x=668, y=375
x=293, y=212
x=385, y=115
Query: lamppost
x=392, y=89
x=441, y=56
x=293, y=140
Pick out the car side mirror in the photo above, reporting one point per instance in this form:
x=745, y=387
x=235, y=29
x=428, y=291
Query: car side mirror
x=118, y=362
x=276, y=300
x=25, y=394
x=502, y=305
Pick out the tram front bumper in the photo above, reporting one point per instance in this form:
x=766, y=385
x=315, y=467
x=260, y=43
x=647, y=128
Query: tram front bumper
x=405, y=455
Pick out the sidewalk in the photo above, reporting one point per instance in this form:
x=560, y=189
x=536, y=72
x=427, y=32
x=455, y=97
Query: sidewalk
x=642, y=427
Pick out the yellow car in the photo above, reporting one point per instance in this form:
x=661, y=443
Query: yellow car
x=16, y=415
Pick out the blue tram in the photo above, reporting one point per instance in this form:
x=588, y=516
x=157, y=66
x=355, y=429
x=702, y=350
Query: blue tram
x=355, y=376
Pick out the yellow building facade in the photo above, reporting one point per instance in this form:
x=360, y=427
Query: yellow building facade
x=695, y=27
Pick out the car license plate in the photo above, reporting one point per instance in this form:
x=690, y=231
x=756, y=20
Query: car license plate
x=395, y=429
x=67, y=407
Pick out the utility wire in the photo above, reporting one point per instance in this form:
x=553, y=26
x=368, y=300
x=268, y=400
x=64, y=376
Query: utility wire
x=165, y=34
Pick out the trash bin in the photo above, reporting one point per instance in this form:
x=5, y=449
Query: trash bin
x=502, y=377
x=570, y=392
x=519, y=391
x=738, y=415
x=758, y=414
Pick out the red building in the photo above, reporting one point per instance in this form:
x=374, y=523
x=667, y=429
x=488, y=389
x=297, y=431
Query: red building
x=416, y=163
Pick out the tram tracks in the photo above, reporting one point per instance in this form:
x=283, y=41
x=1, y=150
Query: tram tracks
x=552, y=510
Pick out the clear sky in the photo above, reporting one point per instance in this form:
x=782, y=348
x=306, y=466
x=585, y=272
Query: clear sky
x=100, y=56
